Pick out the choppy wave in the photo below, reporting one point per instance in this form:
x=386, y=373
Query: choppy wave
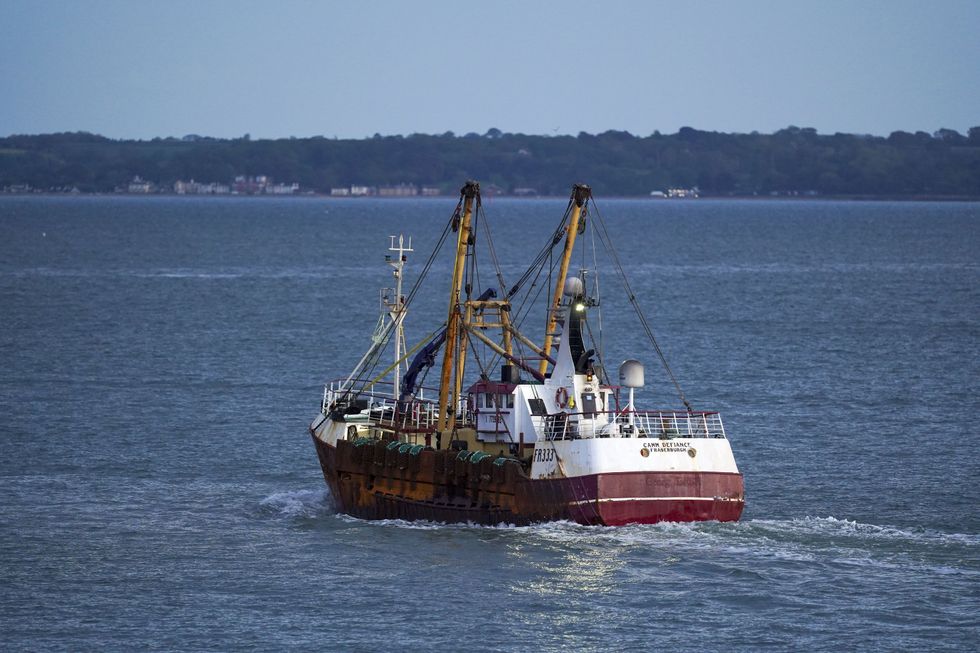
x=832, y=526
x=341, y=268
x=183, y=273
x=782, y=269
x=332, y=271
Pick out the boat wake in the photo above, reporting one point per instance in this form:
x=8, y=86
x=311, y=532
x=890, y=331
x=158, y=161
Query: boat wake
x=298, y=504
x=821, y=540
x=800, y=528
x=827, y=539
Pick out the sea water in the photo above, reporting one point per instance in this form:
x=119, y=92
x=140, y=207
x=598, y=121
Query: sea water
x=161, y=359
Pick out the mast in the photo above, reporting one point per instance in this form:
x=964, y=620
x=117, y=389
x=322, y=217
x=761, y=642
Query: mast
x=396, y=305
x=580, y=195
x=447, y=401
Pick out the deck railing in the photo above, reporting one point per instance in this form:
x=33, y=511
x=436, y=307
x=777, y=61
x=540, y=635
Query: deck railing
x=377, y=406
x=417, y=415
x=662, y=424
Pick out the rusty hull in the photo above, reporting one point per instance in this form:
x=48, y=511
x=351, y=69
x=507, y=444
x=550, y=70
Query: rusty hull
x=371, y=481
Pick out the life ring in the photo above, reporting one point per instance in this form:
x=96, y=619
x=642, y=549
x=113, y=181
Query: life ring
x=561, y=397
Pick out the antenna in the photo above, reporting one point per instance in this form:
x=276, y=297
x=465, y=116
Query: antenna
x=392, y=300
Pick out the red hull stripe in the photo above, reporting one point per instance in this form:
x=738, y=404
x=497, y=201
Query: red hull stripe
x=605, y=499
x=645, y=511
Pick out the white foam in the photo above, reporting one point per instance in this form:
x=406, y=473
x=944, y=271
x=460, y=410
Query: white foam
x=829, y=539
x=298, y=503
x=419, y=525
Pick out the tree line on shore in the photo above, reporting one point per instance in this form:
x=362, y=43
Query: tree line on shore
x=790, y=161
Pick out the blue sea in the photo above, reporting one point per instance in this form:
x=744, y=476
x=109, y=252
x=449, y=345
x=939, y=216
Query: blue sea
x=161, y=359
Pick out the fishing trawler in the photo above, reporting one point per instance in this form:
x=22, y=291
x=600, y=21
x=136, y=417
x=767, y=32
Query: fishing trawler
x=538, y=432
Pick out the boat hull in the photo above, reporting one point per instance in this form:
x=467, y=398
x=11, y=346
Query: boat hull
x=374, y=481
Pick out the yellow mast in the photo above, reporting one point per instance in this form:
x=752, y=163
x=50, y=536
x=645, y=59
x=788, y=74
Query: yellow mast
x=460, y=363
x=447, y=403
x=580, y=195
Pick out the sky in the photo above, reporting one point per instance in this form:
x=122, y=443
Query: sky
x=148, y=68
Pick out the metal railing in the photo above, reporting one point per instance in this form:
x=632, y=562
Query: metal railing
x=334, y=392
x=661, y=424
x=376, y=406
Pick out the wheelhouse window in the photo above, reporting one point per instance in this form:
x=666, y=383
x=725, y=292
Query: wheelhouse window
x=494, y=401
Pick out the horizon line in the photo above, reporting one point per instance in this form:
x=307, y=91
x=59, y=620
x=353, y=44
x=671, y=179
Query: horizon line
x=492, y=133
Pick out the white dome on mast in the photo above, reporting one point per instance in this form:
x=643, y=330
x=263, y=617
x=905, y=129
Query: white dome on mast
x=631, y=374
x=573, y=287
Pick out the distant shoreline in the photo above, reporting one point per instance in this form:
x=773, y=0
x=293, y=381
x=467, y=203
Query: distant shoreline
x=792, y=163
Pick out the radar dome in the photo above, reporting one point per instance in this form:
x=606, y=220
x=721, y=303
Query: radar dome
x=631, y=374
x=573, y=287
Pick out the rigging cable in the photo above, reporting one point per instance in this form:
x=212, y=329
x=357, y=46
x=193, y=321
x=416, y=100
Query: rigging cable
x=491, y=249
x=607, y=244
x=519, y=320
x=401, y=360
x=544, y=253
x=536, y=267
x=369, y=364
x=598, y=299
